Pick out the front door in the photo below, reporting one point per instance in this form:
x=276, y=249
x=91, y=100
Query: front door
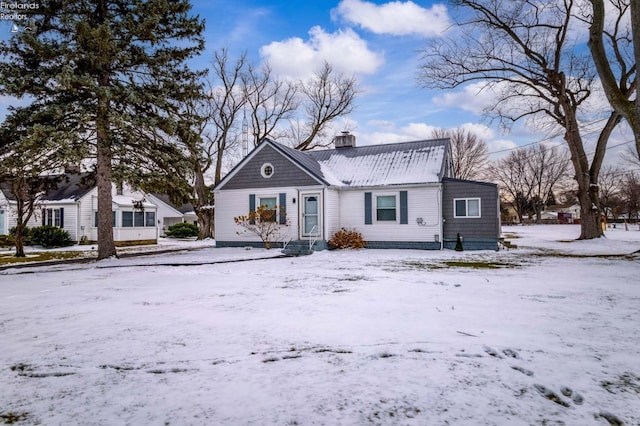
x=311, y=215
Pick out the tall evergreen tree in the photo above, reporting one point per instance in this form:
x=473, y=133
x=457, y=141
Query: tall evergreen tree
x=110, y=72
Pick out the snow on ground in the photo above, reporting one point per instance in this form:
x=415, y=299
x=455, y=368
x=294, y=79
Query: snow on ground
x=337, y=338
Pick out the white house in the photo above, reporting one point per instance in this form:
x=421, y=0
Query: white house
x=170, y=214
x=396, y=195
x=73, y=206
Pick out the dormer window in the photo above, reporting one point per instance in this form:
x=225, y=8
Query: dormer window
x=267, y=170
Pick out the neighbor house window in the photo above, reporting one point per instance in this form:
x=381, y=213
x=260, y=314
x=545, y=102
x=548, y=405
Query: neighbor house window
x=95, y=218
x=466, y=207
x=386, y=208
x=127, y=219
x=53, y=217
x=138, y=219
x=150, y=219
x=271, y=206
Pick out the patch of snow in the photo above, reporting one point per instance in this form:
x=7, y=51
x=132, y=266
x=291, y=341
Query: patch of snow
x=420, y=165
x=338, y=337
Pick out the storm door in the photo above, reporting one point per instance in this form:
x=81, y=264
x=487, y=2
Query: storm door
x=310, y=215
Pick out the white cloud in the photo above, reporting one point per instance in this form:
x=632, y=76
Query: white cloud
x=480, y=130
x=396, y=17
x=344, y=50
x=475, y=98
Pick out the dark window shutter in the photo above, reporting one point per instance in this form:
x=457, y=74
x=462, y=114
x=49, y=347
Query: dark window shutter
x=252, y=205
x=283, y=208
x=404, y=211
x=44, y=217
x=367, y=209
x=62, y=218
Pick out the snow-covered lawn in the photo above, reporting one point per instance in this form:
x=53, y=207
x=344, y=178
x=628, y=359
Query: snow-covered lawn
x=518, y=337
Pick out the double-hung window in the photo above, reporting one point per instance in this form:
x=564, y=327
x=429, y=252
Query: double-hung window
x=127, y=219
x=53, y=217
x=386, y=208
x=270, y=206
x=95, y=218
x=466, y=207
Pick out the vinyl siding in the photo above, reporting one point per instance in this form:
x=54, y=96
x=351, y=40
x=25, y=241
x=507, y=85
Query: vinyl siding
x=70, y=217
x=422, y=202
x=331, y=212
x=230, y=204
x=89, y=204
x=487, y=225
x=284, y=173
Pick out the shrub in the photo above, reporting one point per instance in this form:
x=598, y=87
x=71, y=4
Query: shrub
x=7, y=241
x=347, y=238
x=264, y=223
x=26, y=235
x=50, y=236
x=182, y=230
x=459, y=246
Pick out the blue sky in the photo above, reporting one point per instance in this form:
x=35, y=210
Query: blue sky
x=377, y=41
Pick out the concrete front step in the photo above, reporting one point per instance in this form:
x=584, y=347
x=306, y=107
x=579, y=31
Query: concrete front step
x=297, y=248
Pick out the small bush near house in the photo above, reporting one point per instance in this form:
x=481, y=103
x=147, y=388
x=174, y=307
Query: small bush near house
x=50, y=237
x=7, y=241
x=347, y=238
x=26, y=235
x=182, y=230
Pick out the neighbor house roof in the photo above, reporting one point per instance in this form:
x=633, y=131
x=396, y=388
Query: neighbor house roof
x=71, y=187
x=184, y=208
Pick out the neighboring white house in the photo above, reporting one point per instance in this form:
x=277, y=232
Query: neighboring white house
x=396, y=195
x=73, y=206
x=170, y=214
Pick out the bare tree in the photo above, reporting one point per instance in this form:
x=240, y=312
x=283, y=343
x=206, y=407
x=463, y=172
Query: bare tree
x=514, y=181
x=469, y=152
x=326, y=96
x=270, y=100
x=630, y=192
x=226, y=100
x=208, y=130
x=529, y=176
x=610, y=180
x=547, y=167
x=524, y=52
x=615, y=52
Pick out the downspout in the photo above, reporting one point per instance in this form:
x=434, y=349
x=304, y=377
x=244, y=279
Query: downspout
x=440, y=218
x=78, y=219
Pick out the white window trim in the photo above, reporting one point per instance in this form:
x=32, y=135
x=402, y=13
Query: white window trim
x=263, y=168
x=375, y=207
x=466, y=209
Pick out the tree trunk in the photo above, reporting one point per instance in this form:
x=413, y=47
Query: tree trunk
x=20, y=219
x=205, y=223
x=20, y=241
x=635, y=29
x=588, y=196
x=106, y=244
x=204, y=210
